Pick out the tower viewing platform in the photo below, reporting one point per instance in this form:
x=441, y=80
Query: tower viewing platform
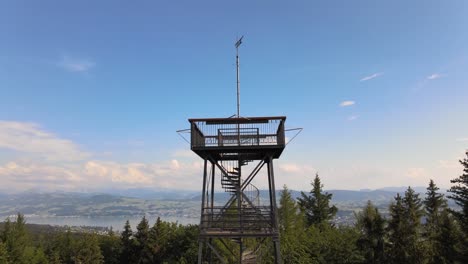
x=245, y=138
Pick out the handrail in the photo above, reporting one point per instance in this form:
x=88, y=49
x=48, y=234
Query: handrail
x=207, y=133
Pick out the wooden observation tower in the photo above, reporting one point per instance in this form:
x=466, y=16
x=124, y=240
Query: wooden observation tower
x=236, y=150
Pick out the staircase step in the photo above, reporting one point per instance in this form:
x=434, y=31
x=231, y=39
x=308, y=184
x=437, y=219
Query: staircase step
x=230, y=179
x=231, y=176
x=230, y=183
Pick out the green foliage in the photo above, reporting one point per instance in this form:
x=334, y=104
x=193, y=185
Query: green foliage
x=439, y=229
x=3, y=253
x=327, y=244
x=316, y=205
x=163, y=243
x=448, y=247
x=38, y=256
x=143, y=251
x=62, y=248
x=320, y=242
x=434, y=203
x=371, y=226
x=405, y=229
x=111, y=248
x=128, y=253
x=16, y=239
x=169, y=241
x=460, y=195
x=159, y=237
x=291, y=225
x=87, y=250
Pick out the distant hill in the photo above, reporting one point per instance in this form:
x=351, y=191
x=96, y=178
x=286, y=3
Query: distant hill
x=153, y=194
x=340, y=197
x=92, y=205
x=402, y=189
x=164, y=203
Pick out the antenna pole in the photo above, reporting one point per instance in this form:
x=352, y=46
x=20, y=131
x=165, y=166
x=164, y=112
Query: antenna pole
x=238, y=88
x=238, y=43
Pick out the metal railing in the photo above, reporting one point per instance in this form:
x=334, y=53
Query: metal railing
x=225, y=132
x=233, y=220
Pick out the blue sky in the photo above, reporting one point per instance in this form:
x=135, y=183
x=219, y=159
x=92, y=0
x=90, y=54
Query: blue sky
x=93, y=91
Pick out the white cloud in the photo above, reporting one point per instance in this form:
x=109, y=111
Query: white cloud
x=132, y=173
x=76, y=64
x=166, y=174
x=26, y=174
x=353, y=117
x=97, y=174
x=347, y=103
x=416, y=173
x=370, y=77
x=462, y=139
x=29, y=138
x=435, y=76
x=44, y=160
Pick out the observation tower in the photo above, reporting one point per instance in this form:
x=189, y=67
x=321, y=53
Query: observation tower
x=237, y=224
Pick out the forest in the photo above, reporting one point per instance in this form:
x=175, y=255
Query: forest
x=419, y=229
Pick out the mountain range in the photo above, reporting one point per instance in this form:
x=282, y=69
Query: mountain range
x=174, y=203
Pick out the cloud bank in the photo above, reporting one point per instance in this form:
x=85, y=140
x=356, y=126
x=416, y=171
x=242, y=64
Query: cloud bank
x=43, y=160
x=46, y=161
x=30, y=138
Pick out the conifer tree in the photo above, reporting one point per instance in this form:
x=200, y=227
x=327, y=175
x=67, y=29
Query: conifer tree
x=434, y=205
x=158, y=240
x=111, y=247
x=404, y=228
x=291, y=225
x=414, y=210
x=16, y=239
x=372, y=228
x=88, y=250
x=316, y=205
x=449, y=247
x=128, y=245
x=396, y=230
x=141, y=239
x=460, y=195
